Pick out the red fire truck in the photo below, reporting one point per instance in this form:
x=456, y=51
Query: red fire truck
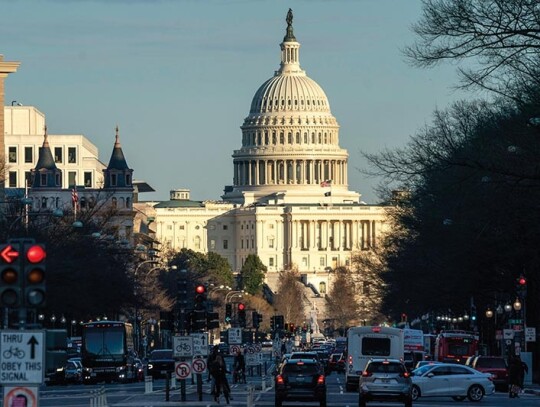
x=455, y=346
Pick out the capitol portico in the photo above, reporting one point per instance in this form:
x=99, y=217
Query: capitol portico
x=289, y=202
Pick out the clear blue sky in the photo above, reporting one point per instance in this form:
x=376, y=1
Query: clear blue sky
x=178, y=77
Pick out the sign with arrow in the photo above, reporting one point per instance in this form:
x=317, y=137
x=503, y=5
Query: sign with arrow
x=22, y=357
x=9, y=254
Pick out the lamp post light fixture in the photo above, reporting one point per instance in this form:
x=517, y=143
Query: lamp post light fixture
x=489, y=313
x=53, y=320
x=517, y=305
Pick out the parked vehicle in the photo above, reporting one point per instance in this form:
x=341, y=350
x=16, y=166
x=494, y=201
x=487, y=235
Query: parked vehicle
x=385, y=380
x=452, y=380
x=495, y=365
x=160, y=363
x=367, y=342
x=300, y=380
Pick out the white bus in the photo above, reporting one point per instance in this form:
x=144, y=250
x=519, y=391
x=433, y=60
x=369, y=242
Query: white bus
x=367, y=342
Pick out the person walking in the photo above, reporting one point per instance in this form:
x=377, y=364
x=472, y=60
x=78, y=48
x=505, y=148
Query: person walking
x=218, y=371
x=239, y=368
x=515, y=369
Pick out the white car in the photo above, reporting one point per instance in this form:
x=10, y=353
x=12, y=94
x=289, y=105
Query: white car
x=452, y=380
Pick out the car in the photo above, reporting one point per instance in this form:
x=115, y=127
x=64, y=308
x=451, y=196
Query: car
x=451, y=380
x=300, y=380
x=496, y=365
x=336, y=362
x=160, y=363
x=385, y=380
x=426, y=362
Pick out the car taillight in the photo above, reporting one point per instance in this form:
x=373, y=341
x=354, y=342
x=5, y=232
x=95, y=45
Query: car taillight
x=365, y=373
x=405, y=374
x=320, y=380
x=279, y=379
x=350, y=359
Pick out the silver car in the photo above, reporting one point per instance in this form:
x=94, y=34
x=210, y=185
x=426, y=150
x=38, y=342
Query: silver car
x=385, y=379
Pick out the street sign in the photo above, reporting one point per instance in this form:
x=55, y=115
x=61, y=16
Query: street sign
x=508, y=333
x=182, y=346
x=200, y=343
x=253, y=359
x=530, y=334
x=235, y=336
x=22, y=357
x=233, y=349
x=198, y=365
x=182, y=370
x=21, y=396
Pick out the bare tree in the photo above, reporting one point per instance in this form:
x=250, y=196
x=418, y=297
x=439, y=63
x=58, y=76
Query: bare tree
x=289, y=298
x=342, y=304
x=501, y=37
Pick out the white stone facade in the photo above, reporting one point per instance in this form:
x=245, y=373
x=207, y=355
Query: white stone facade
x=74, y=154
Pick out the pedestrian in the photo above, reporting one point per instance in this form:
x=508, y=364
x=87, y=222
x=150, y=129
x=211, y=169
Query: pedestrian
x=218, y=370
x=239, y=368
x=515, y=369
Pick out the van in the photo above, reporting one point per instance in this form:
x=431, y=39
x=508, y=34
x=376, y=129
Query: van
x=370, y=342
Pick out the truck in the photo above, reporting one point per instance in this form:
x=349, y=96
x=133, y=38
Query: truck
x=367, y=342
x=413, y=347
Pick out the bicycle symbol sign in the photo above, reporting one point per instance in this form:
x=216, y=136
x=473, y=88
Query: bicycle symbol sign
x=198, y=365
x=13, y=353
x=183, y=370
x=182, y=346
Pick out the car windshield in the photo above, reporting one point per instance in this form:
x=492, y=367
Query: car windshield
x=304, y=368
x=304, y=356
x=336, y=357
x=381, y=367
x=161, y=354
x=491, y=362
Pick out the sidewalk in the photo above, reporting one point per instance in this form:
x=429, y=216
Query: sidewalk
x=532, y=389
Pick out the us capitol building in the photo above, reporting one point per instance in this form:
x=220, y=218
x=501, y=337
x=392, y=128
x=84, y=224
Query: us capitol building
x=289, y=203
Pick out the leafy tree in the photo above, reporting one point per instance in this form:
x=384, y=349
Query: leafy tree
x=219, y=269
x=252, y=274
x=289, y=300
x=501, y=38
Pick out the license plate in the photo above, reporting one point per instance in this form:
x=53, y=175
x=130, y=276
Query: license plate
x=299, y=379
x=93, y=374
x=385, y=380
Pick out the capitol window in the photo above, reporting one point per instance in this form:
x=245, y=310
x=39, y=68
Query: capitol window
x=271, y=262
x=322, y=261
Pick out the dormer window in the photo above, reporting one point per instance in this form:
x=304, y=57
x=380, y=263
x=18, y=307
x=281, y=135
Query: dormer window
x=57, y=180
x=128, y=179
x=114, y=202
x=43, y=180
x=113, y=180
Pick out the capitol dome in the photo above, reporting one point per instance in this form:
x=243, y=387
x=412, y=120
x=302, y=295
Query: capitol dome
x=290, y=139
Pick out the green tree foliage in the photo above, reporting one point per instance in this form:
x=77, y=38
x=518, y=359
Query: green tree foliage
x=252, y=274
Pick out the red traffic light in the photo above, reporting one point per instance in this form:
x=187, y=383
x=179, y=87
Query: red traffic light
x=241, y=307
x=200, y=289
x=522, y=281
x=35, y=254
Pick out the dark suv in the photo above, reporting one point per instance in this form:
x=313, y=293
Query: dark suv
x=160, y=363
x=495, y=365
x=385, y=379
x=300, y=380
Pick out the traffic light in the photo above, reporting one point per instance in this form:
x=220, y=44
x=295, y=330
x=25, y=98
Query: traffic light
x=279, y=322
x=34, y=275
x=257, y=319
x=228, y=313
x=182, y=284
x=199, y=313
x=291, y=327
x=403, y=317
x=242, y=315
x=212, y=320
x=522, y=281
x=11, y=279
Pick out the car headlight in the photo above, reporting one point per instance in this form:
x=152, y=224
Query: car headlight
x=60, y=369
x=150, y=366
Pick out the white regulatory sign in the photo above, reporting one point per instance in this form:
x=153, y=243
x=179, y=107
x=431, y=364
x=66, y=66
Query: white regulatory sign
x=200, y=343
x=182, y=346
x=182, y=370
x=530, y=334
x=198, y=366
x=22, y=357
x=235, y=336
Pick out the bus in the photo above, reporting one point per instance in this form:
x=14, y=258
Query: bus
x=455, y=346
x=369, y=342
x=107, y=352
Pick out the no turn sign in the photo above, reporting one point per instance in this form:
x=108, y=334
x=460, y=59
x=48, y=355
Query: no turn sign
x=199, y=366
x=182, y=370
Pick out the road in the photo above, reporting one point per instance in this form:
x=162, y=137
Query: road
x=131, y=395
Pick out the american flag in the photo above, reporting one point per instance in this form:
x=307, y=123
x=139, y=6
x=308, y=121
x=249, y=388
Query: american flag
x=326, y=183
x=74, y=196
